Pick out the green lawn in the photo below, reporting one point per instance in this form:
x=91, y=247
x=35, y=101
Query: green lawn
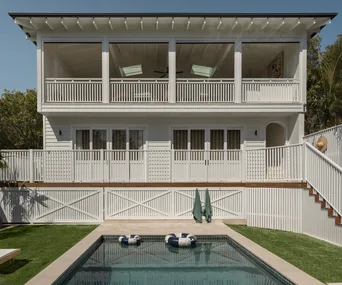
x=320, y=259
x=40, y=246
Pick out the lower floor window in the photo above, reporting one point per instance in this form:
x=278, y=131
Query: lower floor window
x=218, y=143
x=82, y=139
x=122, y=141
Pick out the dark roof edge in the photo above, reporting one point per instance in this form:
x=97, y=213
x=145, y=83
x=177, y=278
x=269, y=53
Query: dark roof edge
x=175, y=14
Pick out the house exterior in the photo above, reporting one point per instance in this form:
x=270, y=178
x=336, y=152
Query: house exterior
x=140, y=110
x=172, y=95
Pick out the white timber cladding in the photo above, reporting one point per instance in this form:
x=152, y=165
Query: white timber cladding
x=59, y=133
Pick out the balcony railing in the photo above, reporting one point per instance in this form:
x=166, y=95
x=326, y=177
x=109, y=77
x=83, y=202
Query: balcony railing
x=272, y=164
x=139, y=90
x=205, y=90
x=270, y=90
x=70, y=90
x=195, y=90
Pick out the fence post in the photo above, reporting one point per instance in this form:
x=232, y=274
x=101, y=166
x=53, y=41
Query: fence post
x=243, y=164
x=304, y=161
x=31, y=166
x=73, y=167
x=102, y=163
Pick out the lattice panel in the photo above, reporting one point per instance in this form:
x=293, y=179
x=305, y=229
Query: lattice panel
x=159, y=165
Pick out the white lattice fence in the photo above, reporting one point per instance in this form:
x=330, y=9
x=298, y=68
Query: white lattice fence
x=166, y=203
x=51, y=205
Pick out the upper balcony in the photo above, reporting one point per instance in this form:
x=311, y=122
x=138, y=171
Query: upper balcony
x=187, y=74
x=171, y=62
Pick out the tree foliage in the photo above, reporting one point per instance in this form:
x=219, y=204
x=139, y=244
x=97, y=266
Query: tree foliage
x=21, y=126
x=324, y=85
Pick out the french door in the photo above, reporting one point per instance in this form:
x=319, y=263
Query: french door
x=204, y=154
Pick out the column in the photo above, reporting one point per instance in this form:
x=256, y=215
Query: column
x=172, y=71
x=105, y=71
x=40, y=73
x=303, y=69
x=238, y=71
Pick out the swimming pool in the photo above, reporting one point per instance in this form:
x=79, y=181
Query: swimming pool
x=216, y=260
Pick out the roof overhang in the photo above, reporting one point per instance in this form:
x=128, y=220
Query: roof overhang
x=235, y=23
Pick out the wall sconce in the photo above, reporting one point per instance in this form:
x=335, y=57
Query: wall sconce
x=256, y=132
x=60, y=132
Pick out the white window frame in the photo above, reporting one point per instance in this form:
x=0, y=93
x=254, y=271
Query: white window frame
x=207, y=129
x=108, y=128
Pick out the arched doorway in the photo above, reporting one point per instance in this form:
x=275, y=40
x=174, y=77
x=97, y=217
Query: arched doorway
x=275, y=135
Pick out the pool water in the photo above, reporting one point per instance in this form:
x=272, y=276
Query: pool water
x=214, y=261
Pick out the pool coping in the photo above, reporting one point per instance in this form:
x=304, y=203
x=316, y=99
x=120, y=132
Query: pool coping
x=52, y=272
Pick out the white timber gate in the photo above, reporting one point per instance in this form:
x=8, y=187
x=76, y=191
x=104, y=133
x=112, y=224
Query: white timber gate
x=60, y=205
x=169, y=203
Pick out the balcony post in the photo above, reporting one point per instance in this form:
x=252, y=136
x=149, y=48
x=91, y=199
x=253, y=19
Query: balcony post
x=237, y=71
x=105, y=71
x=172, y=71
x=40, y=73
x=31, y=166
x=302, y=69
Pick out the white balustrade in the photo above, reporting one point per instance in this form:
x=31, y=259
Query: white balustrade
x=270, y=90
x=275, y=164
x=205, y=90
x=325, y=176
x=68, y=90
x=139, y=90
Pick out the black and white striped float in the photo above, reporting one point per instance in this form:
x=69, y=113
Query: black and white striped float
x=181, y=240
x=129, y=239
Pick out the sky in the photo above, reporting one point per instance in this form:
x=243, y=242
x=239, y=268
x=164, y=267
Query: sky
x=18, y=55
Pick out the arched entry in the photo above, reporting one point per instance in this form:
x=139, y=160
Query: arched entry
x=275, y=135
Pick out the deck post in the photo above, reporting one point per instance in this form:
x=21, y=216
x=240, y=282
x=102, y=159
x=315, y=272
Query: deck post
x=238, y=71
x=172, y=71
x=243, y=164
x=105, y=71
x=31, y=166
x=102, y=164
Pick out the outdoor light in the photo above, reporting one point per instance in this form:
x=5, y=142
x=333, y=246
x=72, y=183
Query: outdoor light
x=60, y=132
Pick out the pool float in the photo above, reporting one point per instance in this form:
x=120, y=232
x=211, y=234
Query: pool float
x=181, y=240
x=129, y=239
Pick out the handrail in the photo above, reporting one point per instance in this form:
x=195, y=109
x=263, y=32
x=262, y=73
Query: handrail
x=205, y=79
x=70, y=79
x=274, y=147
x=272, y=79
x=339, y=168
x=322, y=131
x=329, y=190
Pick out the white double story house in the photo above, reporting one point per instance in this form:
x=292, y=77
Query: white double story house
x=174, y=97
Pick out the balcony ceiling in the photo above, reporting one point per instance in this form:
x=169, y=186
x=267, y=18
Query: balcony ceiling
x=235, y=24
